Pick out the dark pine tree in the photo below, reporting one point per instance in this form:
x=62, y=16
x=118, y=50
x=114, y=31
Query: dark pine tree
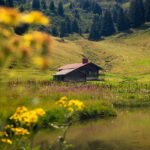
x=63, y=31
x=21, y=8
x=147, y=10
x=71, y=5
x=52, y=6
x=43, y=4
x=107, y=26
x=36, y=4
x=68, y=25
x=97, y=9
x=114, y=15
x=95, y=32
x=122, y=21
x=54, y=31
x=60, y=9
x=75, y=26
x=114, y=12
x=86, y=5
x=77, y=14
x=2, y=3
x=136, y=13
x=9, y=3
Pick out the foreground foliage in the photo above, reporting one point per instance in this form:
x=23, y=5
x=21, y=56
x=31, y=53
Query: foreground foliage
x=23, y=125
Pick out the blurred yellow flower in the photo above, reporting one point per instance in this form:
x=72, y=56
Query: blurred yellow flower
x=20, y=131
x=35, y=17
x=70, y=109
x=41, y=62
x=27, y=117
x=8, y=126
x=3, y=133
x=70, y=105
x=9, y=16
x=76, y=103
x=5, y=32
x=8, y=141
x=64, y=98
x=39, y=111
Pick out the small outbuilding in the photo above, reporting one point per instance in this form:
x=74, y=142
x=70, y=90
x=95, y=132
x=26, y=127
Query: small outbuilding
x=84, y=71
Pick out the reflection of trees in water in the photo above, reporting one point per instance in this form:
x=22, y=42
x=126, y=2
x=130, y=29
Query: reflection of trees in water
x=93, y=145
x=104, y=145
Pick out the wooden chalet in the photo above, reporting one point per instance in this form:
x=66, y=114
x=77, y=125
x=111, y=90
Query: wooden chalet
x=84, y=71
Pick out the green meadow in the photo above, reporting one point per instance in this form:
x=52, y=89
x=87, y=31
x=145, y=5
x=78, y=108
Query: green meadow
x=124, y=57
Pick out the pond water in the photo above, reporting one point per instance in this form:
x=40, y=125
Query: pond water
x=130, y=130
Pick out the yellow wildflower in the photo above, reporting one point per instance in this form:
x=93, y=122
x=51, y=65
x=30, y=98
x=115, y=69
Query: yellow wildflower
x=5, y=32
x=3, y=133
x=70, y=104
x=35, y=17
x=76, y=103
x=20, y=131
x=41, y=62
x=8, y=141
x=9, y=16
x=64, y=98
x=8, y=126
x=39, y=111
x=26, y=117
x=70, y=109
x=28, y=39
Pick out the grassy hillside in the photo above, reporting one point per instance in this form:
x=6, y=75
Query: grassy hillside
x=124, y=55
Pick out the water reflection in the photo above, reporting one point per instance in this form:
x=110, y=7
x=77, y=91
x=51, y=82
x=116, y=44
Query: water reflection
x=129, y=131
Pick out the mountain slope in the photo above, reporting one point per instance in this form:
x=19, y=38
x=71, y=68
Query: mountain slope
x=125, y=54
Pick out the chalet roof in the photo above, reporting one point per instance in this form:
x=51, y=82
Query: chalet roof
x=64, y=72
x=71, y=66
x=76, y=66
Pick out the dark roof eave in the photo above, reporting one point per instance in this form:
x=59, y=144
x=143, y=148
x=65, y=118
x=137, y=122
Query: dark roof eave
x=95, y=66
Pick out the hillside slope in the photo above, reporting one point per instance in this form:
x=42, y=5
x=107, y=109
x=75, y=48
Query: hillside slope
x=125, y=54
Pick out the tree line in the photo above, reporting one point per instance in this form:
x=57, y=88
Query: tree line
x=118, y=20
x=105, y=22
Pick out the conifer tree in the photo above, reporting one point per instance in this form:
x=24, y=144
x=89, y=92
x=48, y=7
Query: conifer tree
x=75, y=26
x=2, y=3
x=52, y=6
x=71, y=5
x=87, y=5
x=97, y=9
x=77, y=14
x=43, y=4
x=147, y=10
x=36, y=4
x=136, y=13
x=115, y=15
x=54, y=31
x=122, y=21
x=63, y=32
x=9, y=3
x=21, y=8
x=60, y=9
x=68, y=25
x=95, y=33
x=107, y=26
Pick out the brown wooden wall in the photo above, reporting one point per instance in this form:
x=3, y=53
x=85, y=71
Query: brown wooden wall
x=91, y=72
x=75, y=76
